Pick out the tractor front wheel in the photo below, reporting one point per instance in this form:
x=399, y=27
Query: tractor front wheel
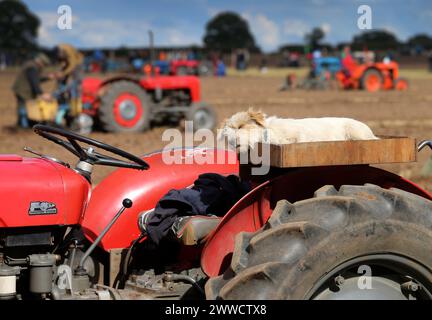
x=401, y=84
x=202, y=116
x=358, y=242
x=125, y=107
x=372, y=80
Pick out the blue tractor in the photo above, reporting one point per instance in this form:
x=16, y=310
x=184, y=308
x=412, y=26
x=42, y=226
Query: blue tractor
x=323, y=71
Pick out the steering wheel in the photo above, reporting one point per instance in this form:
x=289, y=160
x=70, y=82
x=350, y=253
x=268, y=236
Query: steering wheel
x=89, y=155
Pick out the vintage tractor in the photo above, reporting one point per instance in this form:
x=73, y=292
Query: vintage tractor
x=318, y=223
x=372, y=77
x=128, y=104
x=323, y=72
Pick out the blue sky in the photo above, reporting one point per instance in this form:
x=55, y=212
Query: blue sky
x=113, y=23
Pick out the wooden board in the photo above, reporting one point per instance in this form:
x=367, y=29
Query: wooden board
x=385, y=150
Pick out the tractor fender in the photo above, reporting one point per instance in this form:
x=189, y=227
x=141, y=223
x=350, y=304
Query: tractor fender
x=93, y=87
x=188, y=83
x=360, y=70
x=252, y=211
x=96, y=86
x=145, y=188
x=119, y=78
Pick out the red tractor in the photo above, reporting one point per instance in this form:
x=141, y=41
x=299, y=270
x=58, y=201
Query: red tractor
x=302, y=232
x=128, y=104
x=372, y=77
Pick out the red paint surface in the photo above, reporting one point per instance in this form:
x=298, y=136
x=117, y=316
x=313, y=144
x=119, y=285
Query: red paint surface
x=144, y=188
x=26, y=180
x=128, y=123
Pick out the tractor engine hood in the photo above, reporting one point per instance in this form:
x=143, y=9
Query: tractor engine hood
x=40, y=192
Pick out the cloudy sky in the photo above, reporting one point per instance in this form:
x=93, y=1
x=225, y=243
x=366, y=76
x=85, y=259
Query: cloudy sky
x=113, y=23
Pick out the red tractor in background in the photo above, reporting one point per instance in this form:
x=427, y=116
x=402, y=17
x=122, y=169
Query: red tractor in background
x=128, y=104
x=372, y=77
x=131, y=104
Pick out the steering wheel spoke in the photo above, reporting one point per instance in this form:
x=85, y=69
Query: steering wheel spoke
x=82, y=153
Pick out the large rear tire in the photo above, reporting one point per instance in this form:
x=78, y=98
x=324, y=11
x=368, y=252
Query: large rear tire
x=125, y=107
x=372, y=80
x=320, y=248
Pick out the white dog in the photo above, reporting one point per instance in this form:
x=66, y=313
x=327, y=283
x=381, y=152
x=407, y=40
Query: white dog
x=244, y=129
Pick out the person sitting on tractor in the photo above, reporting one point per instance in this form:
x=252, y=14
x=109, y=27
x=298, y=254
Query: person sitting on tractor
x=27, y=86
x=69, y=80
x=348, y=62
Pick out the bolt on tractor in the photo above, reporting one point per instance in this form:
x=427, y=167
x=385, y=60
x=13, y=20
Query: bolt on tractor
x=309, y=229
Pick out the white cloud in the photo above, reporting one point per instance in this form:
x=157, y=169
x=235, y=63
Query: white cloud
x=398, y=32
x=179, y=38
x=265, y=30
x=110, y=33
x=326, y=27
x=212, y=12
x=295, y=27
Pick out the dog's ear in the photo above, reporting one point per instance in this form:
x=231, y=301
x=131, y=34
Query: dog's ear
x=257, y=116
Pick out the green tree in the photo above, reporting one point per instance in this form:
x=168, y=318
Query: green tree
x=228, y=31
x=18, y=27
x=375, y=40
x=423, y=40
x=314, y=37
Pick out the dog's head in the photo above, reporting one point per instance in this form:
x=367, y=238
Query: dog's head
x=243, y=129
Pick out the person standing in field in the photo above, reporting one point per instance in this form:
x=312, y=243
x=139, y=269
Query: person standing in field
x=27, y=86
x=69, y=79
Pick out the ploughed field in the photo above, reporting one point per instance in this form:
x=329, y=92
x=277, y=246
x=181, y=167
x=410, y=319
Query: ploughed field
x=407, y=113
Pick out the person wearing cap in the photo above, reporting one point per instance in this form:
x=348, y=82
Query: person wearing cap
x=27, y=86
x=69, y=79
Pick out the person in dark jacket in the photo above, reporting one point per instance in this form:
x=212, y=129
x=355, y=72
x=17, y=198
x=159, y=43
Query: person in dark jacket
x=69, y=80
x=27, y=86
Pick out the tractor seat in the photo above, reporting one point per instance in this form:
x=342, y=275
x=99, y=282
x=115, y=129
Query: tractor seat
x=192, y=230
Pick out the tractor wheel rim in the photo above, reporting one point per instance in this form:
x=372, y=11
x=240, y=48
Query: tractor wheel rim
x=127, y=110
x=375, y=277
x=373, y=83
x=201, y=119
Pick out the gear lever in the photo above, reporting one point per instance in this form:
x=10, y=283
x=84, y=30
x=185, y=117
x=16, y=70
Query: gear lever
x=126, y=204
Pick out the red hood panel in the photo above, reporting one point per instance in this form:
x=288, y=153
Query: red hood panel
x=38, y=192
